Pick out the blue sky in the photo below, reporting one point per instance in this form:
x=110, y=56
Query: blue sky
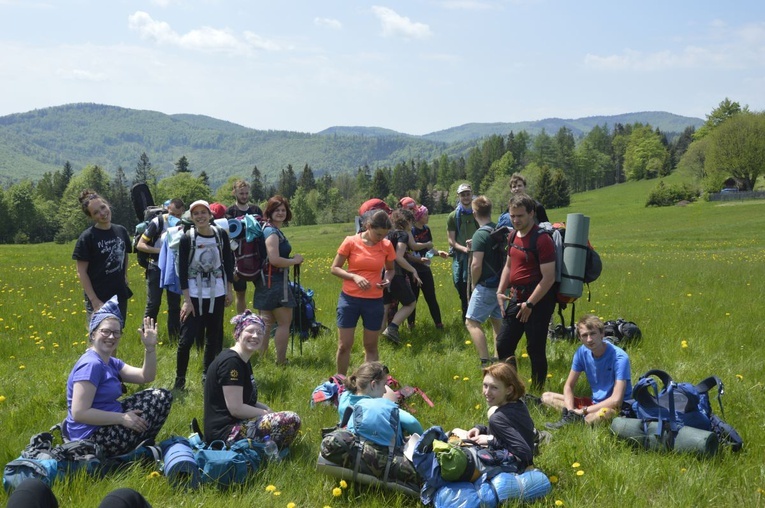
x=415, y=66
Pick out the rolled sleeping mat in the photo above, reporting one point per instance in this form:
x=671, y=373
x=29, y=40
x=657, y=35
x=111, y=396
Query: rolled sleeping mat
x=460, y=495
x=180, y=466
x=574, y=255
x=528, y=486
x=687, y=440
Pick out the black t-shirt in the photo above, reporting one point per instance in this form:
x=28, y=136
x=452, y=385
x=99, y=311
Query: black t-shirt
x=233, y=211
x=422, y=236
x=106, y=251
x=397, y=236
x=228, y=369
x=513, y=430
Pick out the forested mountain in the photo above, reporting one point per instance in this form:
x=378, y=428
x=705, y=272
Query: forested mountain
x=43, y=140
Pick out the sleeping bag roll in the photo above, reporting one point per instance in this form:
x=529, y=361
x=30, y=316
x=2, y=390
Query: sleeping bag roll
x=687, y=439
x=574, y=255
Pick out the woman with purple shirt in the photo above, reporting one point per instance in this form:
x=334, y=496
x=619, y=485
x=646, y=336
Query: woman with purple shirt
x=96, y=383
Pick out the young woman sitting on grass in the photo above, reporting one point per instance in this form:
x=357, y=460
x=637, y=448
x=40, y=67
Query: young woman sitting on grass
x=510, y=425
x=96, y=382
x=232, y=409
x=369, y=381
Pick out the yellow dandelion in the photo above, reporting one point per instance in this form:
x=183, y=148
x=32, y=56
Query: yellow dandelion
x=727, y=313
x=524, y=355
x=689, y=294
x=467, y=342
x=553, y=479
x=408, y=344
x=153, y=474
x=22, y=367
x=456, y=377
x=575, y=464
x=466, y=378
x=683, y=470
x=478, y=406
x=343, y=484
x=337, y=492
x=2, y=398
x=684, y=344
x=580, y=473
x=558, y=502
x=277, y=493
x=291, y=505
x=549, y=376
x=271, y=488
x=739, y=377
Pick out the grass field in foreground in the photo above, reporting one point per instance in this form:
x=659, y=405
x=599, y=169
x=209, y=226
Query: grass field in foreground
x=692, y=274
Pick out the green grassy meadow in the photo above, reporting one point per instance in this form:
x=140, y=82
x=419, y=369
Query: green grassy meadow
x=692, y=274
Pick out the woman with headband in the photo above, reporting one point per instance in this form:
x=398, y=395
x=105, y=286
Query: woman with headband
x=232, y=408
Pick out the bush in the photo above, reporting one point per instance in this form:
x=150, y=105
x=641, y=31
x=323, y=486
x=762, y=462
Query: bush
x=669, y=195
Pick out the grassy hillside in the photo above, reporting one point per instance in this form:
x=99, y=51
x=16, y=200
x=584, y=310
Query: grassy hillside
x=688, y=274
x=43, y=140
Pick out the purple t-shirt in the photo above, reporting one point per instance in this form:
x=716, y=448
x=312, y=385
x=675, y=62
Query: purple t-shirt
x=106, y=378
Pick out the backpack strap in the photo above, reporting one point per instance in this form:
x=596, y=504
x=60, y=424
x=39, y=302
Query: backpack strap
x=707, y=384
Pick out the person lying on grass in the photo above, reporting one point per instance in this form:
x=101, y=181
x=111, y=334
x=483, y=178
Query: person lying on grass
x=607, y=368
x=96, y=382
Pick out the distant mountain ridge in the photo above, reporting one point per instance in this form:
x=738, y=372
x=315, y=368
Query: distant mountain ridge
x=42, y=140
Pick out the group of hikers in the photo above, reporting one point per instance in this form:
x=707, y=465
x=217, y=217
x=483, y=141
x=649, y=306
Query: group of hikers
x=384, y=265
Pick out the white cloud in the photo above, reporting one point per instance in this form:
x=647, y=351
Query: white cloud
x=165, y=3
x=81, y=75
x=201, y=39
x=467, y=5
x=328, y=23
x=393, y=24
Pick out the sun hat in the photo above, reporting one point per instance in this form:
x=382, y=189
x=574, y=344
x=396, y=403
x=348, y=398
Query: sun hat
x=110, y=309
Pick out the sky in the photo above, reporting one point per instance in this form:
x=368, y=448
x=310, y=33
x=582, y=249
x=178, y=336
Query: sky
x=414, y=66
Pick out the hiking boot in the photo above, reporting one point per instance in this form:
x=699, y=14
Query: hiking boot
x=180, y=383
x=392, y=335
x=567, y=417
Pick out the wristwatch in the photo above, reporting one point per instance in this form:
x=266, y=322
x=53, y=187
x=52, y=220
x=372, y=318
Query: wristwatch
x=584, y=410
x=529, y=305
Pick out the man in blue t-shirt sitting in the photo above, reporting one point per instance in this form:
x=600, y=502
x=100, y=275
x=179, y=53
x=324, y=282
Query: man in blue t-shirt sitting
x=607, y=368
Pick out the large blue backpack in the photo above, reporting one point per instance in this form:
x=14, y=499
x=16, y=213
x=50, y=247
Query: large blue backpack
x=677, y=405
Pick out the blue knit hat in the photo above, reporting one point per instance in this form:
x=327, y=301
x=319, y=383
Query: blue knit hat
x=110, y=309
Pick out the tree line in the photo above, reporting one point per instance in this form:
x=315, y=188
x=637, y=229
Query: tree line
x=731, y=143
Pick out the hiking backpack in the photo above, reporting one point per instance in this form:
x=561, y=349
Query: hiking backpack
x=621, y=330
x=681, y=404
x=149, y=214
x=250, y=256
x=304, y=321
x=499, y=236
x=592, y=268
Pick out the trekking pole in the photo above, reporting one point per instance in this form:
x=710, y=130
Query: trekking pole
x=299, y=298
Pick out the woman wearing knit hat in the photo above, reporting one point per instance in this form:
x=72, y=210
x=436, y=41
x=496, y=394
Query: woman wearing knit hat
x=96, y=382
x=232, y=408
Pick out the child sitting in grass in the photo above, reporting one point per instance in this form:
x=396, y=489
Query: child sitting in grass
x=608, y=372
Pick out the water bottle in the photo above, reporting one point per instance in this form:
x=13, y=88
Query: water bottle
x=430, y=253
x=272, y=450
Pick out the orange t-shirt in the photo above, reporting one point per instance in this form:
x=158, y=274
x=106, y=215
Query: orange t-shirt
x=367, y=261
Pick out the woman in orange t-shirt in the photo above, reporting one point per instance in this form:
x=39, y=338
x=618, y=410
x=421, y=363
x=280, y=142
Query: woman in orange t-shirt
x=367, y=254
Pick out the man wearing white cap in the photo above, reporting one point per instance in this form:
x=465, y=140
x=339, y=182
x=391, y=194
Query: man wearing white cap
x=460, y=227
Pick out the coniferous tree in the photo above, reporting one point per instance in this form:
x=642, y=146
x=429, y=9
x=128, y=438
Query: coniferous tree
x=144, y=172
x=426, y=199
x=363, y=181
x=307, y=180
x=302, y=213
x=287, y=182
x=560, y=190
x=119, y=198
x=182, y=165
x=204, y=178
x=257, y=188
x=380, y=185
x=66, y=177
x=545, y=193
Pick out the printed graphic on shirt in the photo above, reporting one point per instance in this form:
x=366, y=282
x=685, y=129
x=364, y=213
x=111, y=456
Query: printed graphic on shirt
x=113, y=250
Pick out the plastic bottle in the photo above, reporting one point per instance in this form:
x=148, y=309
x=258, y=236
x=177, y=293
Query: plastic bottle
x=430, y=253
x=272, y=450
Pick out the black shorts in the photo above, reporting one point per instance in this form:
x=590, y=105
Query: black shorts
x=240, y=285
x=400, y=290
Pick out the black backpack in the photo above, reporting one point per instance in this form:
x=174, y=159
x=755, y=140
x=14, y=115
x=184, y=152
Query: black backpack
x=620, y=331
x=148, y=215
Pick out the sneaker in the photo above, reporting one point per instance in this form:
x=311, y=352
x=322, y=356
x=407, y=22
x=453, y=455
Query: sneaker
x=392, y=335
x=532, y=400
x=567, y=417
